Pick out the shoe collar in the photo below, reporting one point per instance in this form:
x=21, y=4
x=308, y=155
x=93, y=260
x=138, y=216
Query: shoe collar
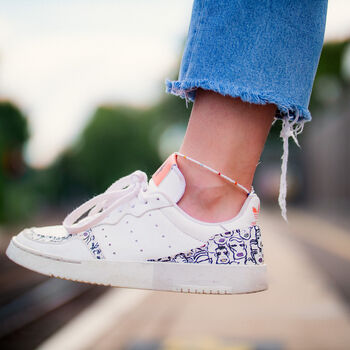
x=169, y=180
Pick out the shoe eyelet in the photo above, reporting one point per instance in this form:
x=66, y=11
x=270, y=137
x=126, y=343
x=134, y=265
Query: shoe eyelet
x=146, y=202
x=133, y=206
x=158, y=198
x=156, y=225
x=163, y=236
x=114, y=253
x=109, y=244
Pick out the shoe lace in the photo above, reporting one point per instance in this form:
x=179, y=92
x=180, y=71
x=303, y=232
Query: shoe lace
x=100, y=206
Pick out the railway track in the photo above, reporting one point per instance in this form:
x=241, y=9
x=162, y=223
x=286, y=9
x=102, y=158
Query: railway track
x=33, y=306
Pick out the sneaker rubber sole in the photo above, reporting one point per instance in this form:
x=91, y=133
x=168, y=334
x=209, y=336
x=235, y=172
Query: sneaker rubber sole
x=162, y=276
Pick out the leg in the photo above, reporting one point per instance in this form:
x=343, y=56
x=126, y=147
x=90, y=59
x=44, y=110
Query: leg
x=264, y=53
x=228, y=134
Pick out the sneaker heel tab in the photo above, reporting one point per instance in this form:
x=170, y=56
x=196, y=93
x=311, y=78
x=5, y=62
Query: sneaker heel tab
x=255, y=208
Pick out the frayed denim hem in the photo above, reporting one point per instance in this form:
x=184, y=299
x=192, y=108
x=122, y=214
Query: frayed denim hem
x=186, y=89
x=293, y=117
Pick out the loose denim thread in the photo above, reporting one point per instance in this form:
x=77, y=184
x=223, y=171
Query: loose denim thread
x=290, y=128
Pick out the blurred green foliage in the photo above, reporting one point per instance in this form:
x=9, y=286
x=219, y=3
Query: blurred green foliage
x=17, y=197
x=331, y=59
x=13, y=128
x=115, y=142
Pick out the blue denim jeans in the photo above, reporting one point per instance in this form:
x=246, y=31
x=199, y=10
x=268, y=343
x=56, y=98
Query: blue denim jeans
x=262, y=51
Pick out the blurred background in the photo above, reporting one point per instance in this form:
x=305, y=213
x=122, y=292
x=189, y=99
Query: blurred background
x=81, y=82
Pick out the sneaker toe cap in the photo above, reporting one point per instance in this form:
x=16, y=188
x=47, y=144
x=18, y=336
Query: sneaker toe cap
x=53, y=241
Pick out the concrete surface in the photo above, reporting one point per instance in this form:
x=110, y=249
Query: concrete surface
x=301, y=309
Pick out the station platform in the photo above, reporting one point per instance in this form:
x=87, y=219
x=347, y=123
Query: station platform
x=302, y=309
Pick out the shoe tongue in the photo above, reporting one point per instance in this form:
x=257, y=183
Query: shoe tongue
x=169, y=180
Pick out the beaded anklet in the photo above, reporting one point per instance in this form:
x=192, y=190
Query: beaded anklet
x=215, y=172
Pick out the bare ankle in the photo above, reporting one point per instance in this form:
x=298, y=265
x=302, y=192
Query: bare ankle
x=207, y=197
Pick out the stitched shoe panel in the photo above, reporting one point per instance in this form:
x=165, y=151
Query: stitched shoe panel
x=135, y=235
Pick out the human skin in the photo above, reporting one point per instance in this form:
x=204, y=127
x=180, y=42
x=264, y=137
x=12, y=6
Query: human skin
x=228, y=135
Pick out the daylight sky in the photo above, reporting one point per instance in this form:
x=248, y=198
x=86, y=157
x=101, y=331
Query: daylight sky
x=59, y=59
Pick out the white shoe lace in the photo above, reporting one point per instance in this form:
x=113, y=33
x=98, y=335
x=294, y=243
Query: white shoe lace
x=97, y=208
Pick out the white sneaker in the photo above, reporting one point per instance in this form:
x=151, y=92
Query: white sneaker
x=136, y=236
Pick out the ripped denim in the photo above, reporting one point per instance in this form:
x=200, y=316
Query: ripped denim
x=260, y=51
